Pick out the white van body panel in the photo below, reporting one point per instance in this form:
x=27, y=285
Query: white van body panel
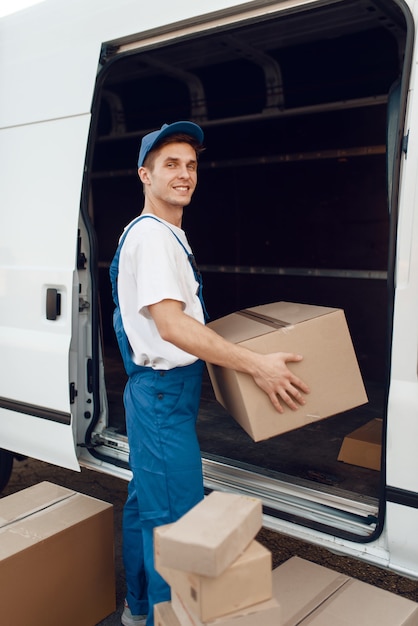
x=40, y=439
x=402, y=541
x=48, y=84
x=37, y=188
x=66, y=44
x=402, y=421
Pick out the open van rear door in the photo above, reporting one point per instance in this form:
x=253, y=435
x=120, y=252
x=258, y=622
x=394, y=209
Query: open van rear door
x=39, y=288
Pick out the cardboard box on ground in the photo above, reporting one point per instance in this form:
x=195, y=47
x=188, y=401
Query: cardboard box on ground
x=313, y=595
x=56, y=558
x=329, y=365
x=300, y=593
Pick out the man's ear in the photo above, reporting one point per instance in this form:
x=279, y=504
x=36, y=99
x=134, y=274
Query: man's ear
x=143, y=175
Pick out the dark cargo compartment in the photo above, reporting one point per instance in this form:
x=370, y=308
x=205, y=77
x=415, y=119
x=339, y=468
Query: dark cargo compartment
x=292, y=200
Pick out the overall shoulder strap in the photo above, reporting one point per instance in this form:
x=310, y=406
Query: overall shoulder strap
x=114, y=266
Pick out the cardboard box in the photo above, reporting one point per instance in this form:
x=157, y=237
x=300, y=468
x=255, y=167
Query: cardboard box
x=266, y=613
x=364, y=605
x=363, y=446
x=211, y=536
x=329, y=366
x=301, y=586
x=313, y=595
x=56, y=558
x=164, y=615
x=247, y=581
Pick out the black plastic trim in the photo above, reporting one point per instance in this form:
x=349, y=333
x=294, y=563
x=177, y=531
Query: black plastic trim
x=403, y=497
x=36, y=411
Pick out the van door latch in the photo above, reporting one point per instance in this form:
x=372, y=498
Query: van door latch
x=53, y=304
x=405, y=141
x=73, y=393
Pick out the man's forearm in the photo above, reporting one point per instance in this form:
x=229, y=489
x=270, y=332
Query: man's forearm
x=269, y=371
x=193, y=337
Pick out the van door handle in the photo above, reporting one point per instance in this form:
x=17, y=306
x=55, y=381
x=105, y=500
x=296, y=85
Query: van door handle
x=53, y=304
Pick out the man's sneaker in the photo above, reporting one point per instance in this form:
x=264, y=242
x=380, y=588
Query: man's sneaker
x=128, y=619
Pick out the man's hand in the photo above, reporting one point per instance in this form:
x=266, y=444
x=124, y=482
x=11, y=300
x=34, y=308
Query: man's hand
x=279, y=382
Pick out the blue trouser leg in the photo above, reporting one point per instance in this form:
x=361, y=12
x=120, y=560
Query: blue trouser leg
x=161, y=412
x=133, y=555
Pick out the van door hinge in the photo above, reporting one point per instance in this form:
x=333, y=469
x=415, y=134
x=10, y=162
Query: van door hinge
x=405, y=141
x=81, y=257
x=73, y=393
x=83, y=304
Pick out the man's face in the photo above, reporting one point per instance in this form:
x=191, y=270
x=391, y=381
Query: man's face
x=172, y=177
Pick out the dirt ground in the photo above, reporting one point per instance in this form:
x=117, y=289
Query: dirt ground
x=29, y=472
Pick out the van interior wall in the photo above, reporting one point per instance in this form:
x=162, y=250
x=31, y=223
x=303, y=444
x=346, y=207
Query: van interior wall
x=291, y=202
x=312, y=228
x=301, y=232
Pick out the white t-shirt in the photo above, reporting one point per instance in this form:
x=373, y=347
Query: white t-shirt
x=153, y=266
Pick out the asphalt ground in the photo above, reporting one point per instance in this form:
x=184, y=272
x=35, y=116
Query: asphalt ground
x=29, y=472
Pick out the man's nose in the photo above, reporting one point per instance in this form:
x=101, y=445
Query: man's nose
x=184, y=171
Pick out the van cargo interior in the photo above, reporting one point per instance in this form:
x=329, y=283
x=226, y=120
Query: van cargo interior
x=293, y=202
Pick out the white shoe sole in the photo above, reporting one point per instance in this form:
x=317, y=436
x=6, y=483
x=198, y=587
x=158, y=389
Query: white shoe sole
x=127, y=620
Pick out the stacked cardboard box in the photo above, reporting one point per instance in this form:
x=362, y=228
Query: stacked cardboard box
x=218, y=573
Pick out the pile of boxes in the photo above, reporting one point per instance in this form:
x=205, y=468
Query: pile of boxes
x=218, y=573
x=221, y=576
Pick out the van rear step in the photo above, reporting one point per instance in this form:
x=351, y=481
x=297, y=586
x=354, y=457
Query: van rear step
x=112, y=438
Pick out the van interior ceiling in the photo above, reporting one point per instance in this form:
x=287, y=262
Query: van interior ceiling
x=292, y=200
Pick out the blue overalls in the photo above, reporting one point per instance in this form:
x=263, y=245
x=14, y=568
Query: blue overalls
x=161, y=409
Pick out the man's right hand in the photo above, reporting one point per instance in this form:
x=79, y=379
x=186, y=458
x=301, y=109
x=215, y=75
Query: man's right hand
x=278, y=381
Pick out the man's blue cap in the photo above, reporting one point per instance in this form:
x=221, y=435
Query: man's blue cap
x=185, y=128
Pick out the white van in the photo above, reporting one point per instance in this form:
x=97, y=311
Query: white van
x=307, y=193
